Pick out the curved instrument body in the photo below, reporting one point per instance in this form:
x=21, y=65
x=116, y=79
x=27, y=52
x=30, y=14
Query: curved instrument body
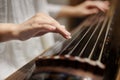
x=93, y=52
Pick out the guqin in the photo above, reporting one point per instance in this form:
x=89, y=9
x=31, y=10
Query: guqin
x=93, y=53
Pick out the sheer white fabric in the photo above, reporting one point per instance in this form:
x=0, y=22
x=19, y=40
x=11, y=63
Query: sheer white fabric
x=15, y=54
x=54, y=9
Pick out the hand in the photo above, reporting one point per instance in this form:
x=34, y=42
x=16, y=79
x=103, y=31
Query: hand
x=38, y=25
x=90, y=7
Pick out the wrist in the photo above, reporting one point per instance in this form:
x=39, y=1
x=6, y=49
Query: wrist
x=66, y=11
x=8, y=32
x=15, y=31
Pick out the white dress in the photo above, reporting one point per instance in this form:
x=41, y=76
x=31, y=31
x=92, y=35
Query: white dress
x=14, y=54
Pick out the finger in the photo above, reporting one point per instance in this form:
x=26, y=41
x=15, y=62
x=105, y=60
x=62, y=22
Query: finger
x=42, y=26
x=40, y=34
x=47, y=27
x=107, y=3
x=50, y=21
x=43, y=29
x=60, y=29
x=64, y=32
x=92, y=11
x=101, y=5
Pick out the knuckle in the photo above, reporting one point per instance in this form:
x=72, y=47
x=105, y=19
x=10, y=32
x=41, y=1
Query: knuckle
x=52, y=22
x=36, y=20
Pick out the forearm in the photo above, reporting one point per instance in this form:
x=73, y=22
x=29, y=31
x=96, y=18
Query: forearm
x=7, y=32
x=58, y=11
x=37, y=25
x=84, y=9
x=66, y=11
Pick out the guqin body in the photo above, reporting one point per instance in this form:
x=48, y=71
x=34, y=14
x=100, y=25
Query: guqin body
x=93, y=53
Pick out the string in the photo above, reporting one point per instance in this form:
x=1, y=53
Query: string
x=103, y=26
x=81, y=38
x=83, y=25
x=90, y=38
x=56, y=47
x=70, y=42
x=107, y=32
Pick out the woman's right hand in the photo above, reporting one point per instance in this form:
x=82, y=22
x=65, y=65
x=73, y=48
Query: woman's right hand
x=38, y=25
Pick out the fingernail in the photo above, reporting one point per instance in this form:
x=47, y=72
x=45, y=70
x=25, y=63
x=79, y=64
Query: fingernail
x=69, y=37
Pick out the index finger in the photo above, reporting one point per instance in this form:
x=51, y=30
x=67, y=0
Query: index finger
x=62, y=30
